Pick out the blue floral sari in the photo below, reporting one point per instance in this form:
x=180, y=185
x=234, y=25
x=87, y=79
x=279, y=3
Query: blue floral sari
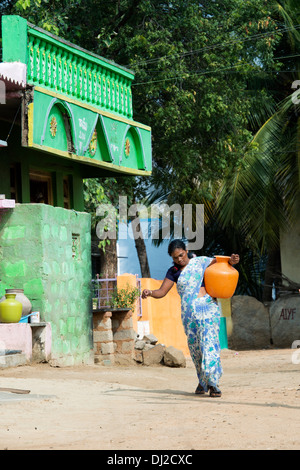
x=201, y=321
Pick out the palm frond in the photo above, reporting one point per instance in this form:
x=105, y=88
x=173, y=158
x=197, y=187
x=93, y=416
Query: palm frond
x=259, y=197
x=289, y=10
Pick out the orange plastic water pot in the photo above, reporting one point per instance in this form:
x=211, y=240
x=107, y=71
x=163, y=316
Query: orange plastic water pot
x=221, y=278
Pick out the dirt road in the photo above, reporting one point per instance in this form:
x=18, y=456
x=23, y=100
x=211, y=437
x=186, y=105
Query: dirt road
x=154, y=408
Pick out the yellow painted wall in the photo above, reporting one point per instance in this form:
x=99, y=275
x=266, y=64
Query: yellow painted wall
x=163, y=315
x=124, y=281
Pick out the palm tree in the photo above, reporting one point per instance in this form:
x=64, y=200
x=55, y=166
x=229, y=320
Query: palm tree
x=260, y=197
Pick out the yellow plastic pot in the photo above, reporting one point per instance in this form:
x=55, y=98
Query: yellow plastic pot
x=10, y=309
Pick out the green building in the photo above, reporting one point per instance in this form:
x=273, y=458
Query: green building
x=65, y=114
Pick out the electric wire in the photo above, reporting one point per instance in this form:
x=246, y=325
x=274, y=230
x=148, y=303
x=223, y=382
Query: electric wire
x=215, y=46
x=185, y=74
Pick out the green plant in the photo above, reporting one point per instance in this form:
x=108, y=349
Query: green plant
x=125, y=297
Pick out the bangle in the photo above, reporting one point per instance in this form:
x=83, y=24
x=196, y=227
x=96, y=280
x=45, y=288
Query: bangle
x=150, y=293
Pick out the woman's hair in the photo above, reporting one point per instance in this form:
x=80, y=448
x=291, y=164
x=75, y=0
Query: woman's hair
x=174, y=245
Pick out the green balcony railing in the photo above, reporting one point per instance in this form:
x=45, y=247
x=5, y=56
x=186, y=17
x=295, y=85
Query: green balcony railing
x=65, y=68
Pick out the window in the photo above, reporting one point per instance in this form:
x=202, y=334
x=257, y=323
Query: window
x=67, y=199
x=76, y=246
x=41, y=187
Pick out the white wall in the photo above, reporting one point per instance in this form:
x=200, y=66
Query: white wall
x=290, y=249
x=290, y=253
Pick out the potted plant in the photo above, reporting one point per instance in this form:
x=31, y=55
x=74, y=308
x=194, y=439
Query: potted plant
x=125, y=298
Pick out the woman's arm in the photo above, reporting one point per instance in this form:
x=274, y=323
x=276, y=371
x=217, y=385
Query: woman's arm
x=158, y=293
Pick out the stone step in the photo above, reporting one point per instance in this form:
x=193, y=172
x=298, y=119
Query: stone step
x=13, y=360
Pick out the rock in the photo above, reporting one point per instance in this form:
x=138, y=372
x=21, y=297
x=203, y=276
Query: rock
x=149, y=352
x=150, y=339
x=154, y=355
x=139, y=344
x=148, y=346
x=285, y=321
x=138, y=356
x=174, y=357
x=250, y=324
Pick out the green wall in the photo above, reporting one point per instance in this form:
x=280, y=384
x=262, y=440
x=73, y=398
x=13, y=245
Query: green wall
x=46, y=251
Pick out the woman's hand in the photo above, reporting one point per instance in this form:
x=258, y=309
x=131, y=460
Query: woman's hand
x=158, y=293
x=234, y=259
x=146, y=293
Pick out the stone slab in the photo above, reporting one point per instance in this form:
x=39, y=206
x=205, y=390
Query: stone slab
x=285, y=321
x=11, y=397
x=13, y=360
x=251, y=324
x=153, y=355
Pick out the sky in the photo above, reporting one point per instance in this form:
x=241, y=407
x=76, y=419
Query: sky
x=158, y=258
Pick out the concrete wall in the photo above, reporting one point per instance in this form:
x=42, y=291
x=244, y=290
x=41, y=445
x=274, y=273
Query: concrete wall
x=16, y=336
x=290, y=249
x=36, y=255
x=290, y=253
